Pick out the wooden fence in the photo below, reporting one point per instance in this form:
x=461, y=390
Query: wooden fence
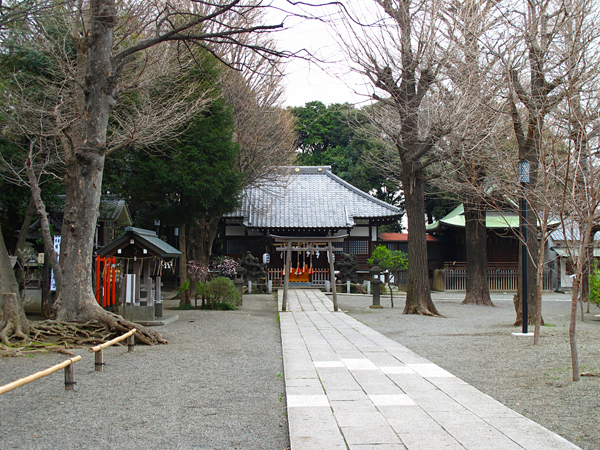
x=500, y=277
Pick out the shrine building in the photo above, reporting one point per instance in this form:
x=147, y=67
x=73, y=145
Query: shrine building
x=305, y=202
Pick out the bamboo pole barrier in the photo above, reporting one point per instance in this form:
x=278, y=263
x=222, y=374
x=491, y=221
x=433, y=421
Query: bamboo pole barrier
x=98, y=349
x=67, y=365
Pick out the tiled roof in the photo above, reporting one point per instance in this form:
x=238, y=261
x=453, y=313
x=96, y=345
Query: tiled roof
x=144, y=238
x=401, y=237
x=570, y=232
x=111, y=208
x=309, y=197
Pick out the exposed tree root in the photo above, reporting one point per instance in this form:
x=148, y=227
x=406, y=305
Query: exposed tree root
x=421, y=310
x=477, y=298
x=58, y=336
x=27, y=348
x=13, y=323
x=143, y=334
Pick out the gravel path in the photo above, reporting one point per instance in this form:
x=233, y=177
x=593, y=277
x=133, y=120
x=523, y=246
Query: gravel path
x=475, y=343
x=217, y=385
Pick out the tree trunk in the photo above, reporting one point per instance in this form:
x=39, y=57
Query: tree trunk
x=418, y=295
x=184, y=297
x=13, y=323
x=13, y=320
x=532, y=278
x=83, y=182
x=36, y=199
x=572, y=330
x=478, y=291
x=25, y=227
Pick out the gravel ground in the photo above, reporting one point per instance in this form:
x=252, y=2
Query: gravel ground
x=217, y=385
x=475, y=343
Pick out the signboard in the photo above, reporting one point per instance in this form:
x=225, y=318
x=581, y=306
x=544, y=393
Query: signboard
x=57, y=250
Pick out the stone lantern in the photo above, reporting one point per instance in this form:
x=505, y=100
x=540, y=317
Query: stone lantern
x=375, y=272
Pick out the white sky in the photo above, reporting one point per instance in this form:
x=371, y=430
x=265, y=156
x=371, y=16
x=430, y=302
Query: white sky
x=305, y=81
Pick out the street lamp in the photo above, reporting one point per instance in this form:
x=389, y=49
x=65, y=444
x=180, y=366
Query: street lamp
x=524, y=180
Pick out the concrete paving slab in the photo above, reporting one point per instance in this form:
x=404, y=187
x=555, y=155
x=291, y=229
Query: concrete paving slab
x=349, y=387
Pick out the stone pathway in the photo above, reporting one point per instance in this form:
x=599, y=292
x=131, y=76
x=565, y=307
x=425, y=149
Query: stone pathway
x=350, y=387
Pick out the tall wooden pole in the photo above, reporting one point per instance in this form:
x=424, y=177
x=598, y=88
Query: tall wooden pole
x=288, y=260
x=332, y=274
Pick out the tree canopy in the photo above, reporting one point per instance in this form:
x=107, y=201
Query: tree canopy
x=337, y=135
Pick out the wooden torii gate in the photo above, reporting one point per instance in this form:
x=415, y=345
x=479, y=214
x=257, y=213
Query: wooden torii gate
x=289, y=240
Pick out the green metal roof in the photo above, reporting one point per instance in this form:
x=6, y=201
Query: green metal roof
x=493, y=219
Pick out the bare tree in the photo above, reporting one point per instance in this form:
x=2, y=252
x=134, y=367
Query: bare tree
x=475, y=125
x=16, y=11
x=110, y=42
x=402, y=54
x=263, y=128
x=536, y=67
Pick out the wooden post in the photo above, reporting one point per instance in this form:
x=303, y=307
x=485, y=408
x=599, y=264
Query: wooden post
x=332, y=275
x=158, y=290
x=148, y=280
x=288, y=260
x=136, y=281
x=99, y=361
x=69, y=378
x=131, y=344
x=98, y=258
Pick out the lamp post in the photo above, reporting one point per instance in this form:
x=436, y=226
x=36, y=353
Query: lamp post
x=376, y=282
x=524, y=180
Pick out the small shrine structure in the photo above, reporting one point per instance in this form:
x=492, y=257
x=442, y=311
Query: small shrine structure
x=141, y=254
x=304, y=205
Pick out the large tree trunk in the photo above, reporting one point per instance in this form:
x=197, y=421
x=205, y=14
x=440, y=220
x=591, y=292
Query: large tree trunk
x=202, y=237
x=13, y=320
x=418, y=294
x=83, y=182
x=478, y=291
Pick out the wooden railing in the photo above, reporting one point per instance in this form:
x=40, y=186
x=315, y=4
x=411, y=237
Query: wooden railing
x=98, y=349
x=319, y=277
x=69, y=377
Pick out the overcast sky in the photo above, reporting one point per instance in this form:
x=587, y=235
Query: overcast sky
x=329, y=83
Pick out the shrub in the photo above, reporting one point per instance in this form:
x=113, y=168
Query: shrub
x=253, y=270
x=198, y=272
x=387, y=259
x=348, y=267
x=221, y=290
x=223, y=266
